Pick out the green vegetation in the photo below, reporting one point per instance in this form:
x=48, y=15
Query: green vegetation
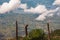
x=36, y=34
x=55, y=35
x=56, y=32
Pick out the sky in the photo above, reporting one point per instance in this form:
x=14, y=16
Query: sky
x=46, y=8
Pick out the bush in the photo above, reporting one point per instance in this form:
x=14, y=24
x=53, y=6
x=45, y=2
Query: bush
x=55, y=34
x=37, y=34
x=26, y=38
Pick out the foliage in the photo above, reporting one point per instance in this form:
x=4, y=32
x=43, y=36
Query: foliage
x=55, y=34
x=26, y=38
x=55, y=38
x=15, y=38
x=36, y=34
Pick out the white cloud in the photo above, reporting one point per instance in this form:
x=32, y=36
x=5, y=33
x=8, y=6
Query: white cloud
x=40, y=18
x=45, y=14
x=23, y=6
x=38, y=9
x=50, y=15
x=43, y=11
x=5, y=7
x=57, y=2
x=58, y=12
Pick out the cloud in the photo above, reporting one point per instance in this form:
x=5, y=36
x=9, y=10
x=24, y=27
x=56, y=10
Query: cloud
x=57, y=2
x=48, y=13
x=40, y=18
x=38, y=9
x=5, y=7
x=44, y=12
x=23, y=6
x=58, y=12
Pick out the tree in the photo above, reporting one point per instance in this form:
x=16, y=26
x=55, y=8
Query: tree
x=37, y=34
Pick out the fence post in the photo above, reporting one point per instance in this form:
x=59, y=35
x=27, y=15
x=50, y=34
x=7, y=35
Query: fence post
x=16, y=30
x=48, y=31
x=26, y=32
